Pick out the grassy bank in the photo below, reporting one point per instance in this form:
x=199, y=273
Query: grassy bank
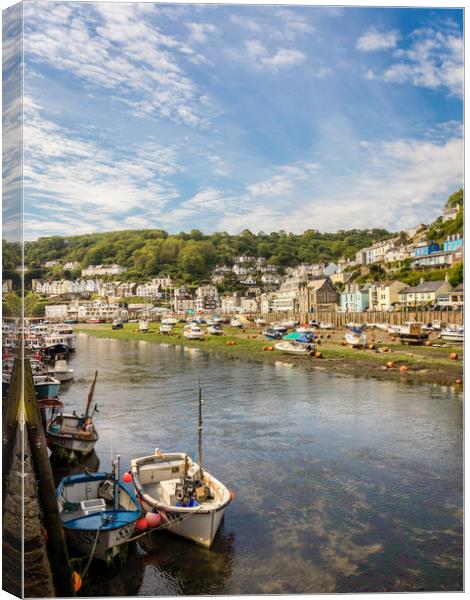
x=425, y=364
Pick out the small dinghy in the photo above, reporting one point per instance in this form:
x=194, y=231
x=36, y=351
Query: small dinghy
x=71, y=435
x=215, y=330
x=272, y=334
x=260, y=321
x=46, y=386
x=143, y=326
x=412, y=333
x=324, y=325
x=190, y=501
x=295, y=348
x=166, y=328
x=235, y=323
x=98, y=513
x=117, y=324
x=453, y=334
x=193, y=333
x=61, y=371
x=355, y=339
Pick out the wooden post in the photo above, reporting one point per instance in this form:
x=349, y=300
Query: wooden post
x=56, y=545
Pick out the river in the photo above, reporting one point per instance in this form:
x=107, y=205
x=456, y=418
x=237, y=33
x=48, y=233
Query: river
x=342, y=484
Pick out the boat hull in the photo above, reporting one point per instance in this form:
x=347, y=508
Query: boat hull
x=197, y=527
x=82, y=541
x=47, y=390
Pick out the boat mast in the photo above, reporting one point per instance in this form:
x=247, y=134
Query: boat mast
x=200, y=431
x=90, y=395
x=116, y=482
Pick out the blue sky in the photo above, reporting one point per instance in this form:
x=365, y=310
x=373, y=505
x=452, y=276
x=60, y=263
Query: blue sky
x=230, y=117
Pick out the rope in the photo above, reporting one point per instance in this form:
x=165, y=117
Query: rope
x=87, y=566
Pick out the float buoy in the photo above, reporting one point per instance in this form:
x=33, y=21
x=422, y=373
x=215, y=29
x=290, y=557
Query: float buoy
x=127, y=477
x=141, y=524
x=458, y=382
x=390, y=364
x=77, y=581
x=453, y=356
x=318, y=354
x=404, y=369
x=232, y=495
x=153, y=519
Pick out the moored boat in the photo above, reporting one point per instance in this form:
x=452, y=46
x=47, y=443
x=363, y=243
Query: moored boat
x=412, y=333
x=326, y=325
x=61, y=371
x=46, y=386
x=73, y=435
x=215, y=330
x=272, y=334
x=452, y=334
x=117, y=324
x=143, y=326
x=356, y=339
x=294, y=348
x=235, y=322
x=193, y=333
x=190, y=500
x=98, y=513
x=166, y=328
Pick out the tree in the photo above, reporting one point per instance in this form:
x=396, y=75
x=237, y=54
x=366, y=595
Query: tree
x=455, y=274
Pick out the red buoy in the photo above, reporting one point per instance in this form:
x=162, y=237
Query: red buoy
x=232, y=495
x=127, y=477
x=153, y=519
x=141, y=524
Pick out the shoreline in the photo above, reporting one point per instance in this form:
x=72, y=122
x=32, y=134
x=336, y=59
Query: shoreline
x=426, y=364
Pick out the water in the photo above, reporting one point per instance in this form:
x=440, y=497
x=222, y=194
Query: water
x=342, y=485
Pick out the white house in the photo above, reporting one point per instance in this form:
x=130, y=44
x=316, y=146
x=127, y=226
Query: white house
x=96, y=270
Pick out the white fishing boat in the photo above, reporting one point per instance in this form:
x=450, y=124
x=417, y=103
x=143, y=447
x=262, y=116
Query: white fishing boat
x=215, y=330
x=452, y=334
x=190, y=501
x=117, y=324
x=326, y=325
x=356, y=340
x=66, y=332
x=411, y=332
x=305, y=329
x=73, y=435
x=166, y=328
x=235, y=322
x=260, y=321
x=98, y=513
x=294, y=348
x=289, y=324
x=61, y=371
x=143, y=326
x=194, y=332
x=169, y=321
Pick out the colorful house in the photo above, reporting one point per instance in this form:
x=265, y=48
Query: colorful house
x=452, y=243
x=426, y=248
x=355, y=298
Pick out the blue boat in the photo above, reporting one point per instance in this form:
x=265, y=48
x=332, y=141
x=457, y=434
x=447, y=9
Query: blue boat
x=272, y=334
x=98, y=512
x=301, y=338
x=46, y=386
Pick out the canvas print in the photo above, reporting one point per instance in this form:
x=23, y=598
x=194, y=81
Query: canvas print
x=232, y=331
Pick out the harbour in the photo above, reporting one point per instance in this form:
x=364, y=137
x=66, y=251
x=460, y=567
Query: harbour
x=340, y=483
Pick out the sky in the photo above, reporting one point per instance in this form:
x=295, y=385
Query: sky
x=223, y=118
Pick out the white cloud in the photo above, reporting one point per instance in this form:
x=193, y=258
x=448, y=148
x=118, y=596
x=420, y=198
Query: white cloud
x=284, y=183
x=117, y=47
x=375, y=40
x=199, y=32
x=434, y=59
x=259, y=57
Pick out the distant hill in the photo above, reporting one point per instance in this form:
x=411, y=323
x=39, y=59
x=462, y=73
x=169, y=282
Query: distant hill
x=191, y=256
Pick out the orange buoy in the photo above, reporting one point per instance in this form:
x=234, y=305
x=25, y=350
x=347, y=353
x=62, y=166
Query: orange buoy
x=404, y=368
x=458, y=382
x=390, y=364
x=153, y=519
x=428, y=343
x=270, y=348
x=454, y=356
x=127, y=477
x=392, y=339
x=77, y=581
x=385, y=349
x=232, y=495
x=318, y=354
x=141, y=524
x=371, y=346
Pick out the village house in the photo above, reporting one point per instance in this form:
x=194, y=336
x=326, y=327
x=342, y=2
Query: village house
x=435, y=260
x=317, y=294
x=452, y=300
x=354, y=298
x=361, y=257
x=154, y=290
x=231, y=304
x=182, y=299
x=50, y=263
x=330, y=269
x=377, y=252
x=207, y=298
x=424, y=294
x=449, y=213
x=71, y=265
x=57, y=312
x=96, y=270
x=385, y=296
x=452, y=243
x=98, y=310
x=270, y=279
x=426, y=248
x=341, y=278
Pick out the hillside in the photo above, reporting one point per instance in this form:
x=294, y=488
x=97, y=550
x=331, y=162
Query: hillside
x=191, y=256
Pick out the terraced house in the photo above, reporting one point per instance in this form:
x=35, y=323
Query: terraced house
x=424, y=294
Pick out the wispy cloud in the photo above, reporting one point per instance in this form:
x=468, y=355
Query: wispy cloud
x=376, y=40
x=119, y=48
x=257, y=56
x=433, y=59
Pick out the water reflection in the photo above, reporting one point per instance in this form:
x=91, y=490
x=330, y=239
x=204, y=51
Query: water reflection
x=341, y=484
